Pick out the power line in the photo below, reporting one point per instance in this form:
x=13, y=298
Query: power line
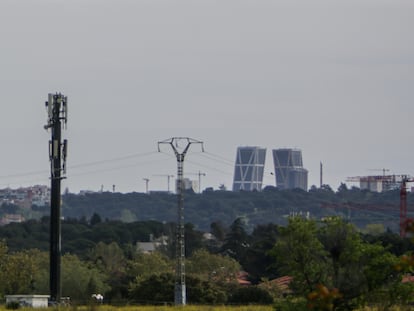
x=104, y=170
x=24, y=174
x=219, y=158
x=77, y=169
x=209, y=167
x=87, y=164
x=131, y=156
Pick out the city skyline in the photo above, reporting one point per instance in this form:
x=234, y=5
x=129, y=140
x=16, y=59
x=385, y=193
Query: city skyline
x=331, y=78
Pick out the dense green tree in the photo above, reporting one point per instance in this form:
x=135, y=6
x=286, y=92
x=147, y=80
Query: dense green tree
x=159, y=288
x=77, y=277
x=108, y=257
x=41, y=276
x=343, y=245
x=193, y=239
x=204, y=292
x=258, y=262
x=19, y=270
x=335, y=255
x=110, y=260
x=301, y=255
x=213, y=268
x=3, y=264
x=156, y=289
x=145, y=265
x=236, y=241
x=218, y=230
x=392, y=241
x=95, y=219
x=250, y=295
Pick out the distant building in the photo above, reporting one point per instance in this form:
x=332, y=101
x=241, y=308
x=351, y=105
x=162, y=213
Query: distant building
x=378, y=183
x=289, y=170
x=188, y=184
x=26, y=197
x=152, y=245
x=249, y=168
x=11, y=218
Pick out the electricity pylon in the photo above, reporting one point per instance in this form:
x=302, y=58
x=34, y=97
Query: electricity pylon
x=57, y=114
x=180, y=288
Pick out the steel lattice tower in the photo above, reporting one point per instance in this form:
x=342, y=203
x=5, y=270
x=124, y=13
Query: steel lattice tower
x=180, y=296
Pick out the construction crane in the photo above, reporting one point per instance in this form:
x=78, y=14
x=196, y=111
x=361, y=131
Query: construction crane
x=168, y=179
x=383, y=170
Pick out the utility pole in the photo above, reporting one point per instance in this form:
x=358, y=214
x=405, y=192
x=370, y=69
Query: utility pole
x=321, y=174
x=57, y=114
x=180, y=288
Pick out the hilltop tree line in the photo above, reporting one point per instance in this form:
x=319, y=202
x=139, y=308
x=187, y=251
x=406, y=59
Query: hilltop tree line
x=330, y=262
x=360, y=207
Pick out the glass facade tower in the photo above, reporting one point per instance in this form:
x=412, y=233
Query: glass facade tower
x=289, y=170
x=249, y=168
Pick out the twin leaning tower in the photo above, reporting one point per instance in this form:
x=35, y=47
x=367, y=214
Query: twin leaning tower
x=250, y=163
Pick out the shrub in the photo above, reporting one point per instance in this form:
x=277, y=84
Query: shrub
x=250, y=295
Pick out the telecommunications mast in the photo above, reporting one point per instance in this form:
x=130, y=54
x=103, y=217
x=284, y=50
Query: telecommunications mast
x=179, y=287
x=57, y=114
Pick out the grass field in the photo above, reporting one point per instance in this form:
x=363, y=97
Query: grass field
x=152, y=308
x=186, y=308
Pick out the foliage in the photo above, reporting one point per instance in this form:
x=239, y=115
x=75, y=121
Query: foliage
x=333, y=254
x=322, y=298
x=291, y=304
x=236, y=241
x=263, y=207
x=77, y=278
x=20, y=269
x=258, y=262
x=13, y=305
x=204, y=292
x=250, y=295
x=301, y=255
x=101, y=255
x=188, y=307
x=156, y=289
x=206, y=274
x=145, y=265
x=110, y=260
x=213, y=268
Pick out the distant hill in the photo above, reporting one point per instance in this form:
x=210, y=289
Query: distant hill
x=269, y=206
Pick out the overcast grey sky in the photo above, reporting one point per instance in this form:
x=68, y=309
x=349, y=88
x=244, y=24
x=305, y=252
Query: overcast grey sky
x=333, y=78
